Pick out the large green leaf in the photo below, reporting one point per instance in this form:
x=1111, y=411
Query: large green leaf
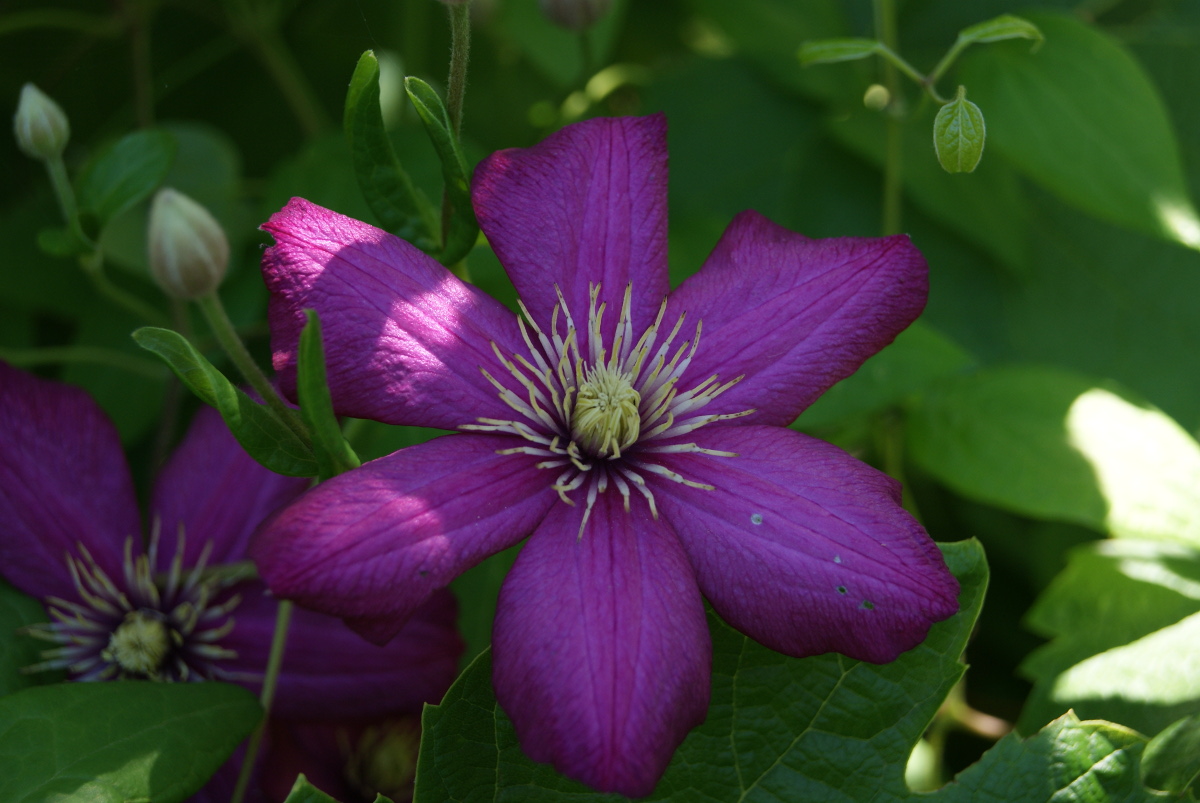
x=1053, y=444
x=121, y=742
x=1124, y=618
x=18, y=650
x=264, y=437
x=1081, y=117
x=124, y=173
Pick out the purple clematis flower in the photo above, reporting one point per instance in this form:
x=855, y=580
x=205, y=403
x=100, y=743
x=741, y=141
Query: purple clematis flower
x=72, y=538
x=651, y=466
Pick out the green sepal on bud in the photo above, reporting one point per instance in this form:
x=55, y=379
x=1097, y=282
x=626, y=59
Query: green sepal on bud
x=575, y=15
x=40, y=125
x=959, y=134
x=188, y=250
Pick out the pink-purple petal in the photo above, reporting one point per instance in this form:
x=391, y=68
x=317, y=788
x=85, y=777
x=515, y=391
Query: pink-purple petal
x=795, y=315
x=804, y=548
x=587, y=205
x=601, y=649
x=371, y=545
x=216, y=492
x=63, y=482
x=331, y=674
x=404, y=338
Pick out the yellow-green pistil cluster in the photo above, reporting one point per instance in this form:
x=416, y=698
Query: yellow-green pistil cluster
x=603, y=416
x=145, y=625
x=606, y=418
x=139, y=645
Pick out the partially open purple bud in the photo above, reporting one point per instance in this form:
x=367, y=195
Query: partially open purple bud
x=575, y=15
x=40, y=126
x=188, y=249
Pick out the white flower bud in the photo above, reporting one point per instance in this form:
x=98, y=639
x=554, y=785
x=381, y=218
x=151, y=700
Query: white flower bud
x=40, y=126
x=575, y=15
x=188, y=249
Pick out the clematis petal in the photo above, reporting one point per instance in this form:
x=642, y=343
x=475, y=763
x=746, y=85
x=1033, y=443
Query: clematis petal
x=795, y=315
x=331, y=674
x=404, y=338
x=63, y=482
x=371, y=545
x=804, y=548
x=586, y=205
x=216, y=492
x=601, y=649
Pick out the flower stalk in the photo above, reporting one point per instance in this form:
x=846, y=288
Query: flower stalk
x=460, y=53
x=223, y=331
x=283, y=618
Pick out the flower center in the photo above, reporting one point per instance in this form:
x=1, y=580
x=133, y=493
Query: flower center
x=165, y=626
x=140, y=644
x=603, y=416
x=606, y=418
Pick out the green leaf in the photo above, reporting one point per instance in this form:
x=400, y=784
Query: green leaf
x=1172, y=759
x=119, y=742
x=827, y=51
x=959, y=134
x=333, y=454
x=390, y=193
x=1119, y=617
x=18, y=650
x=124, y=173
x=206, y=168
x=461, y=229
x=1081, y=118
x=304, y=792
x=267, y=439
x=1006, y=26
x=1052, y=444
x=1068, y=760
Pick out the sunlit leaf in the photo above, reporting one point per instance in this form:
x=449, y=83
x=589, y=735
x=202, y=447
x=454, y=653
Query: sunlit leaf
x=1053, y=444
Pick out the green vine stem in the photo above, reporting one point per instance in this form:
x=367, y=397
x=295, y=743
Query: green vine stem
x=885, y=22
x=223, y=331
x=283, y=619
x=460, y=54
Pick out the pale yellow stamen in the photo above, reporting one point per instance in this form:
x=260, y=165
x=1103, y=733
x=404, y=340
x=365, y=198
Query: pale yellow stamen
x=606, y=418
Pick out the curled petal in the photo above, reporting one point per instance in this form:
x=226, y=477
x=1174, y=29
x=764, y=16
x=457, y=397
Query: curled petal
x=216, y=492
x=371, y=545
x=404, y=338
x=63, y=482
x=587, y=205
x=601, y=649
x=804, y=548
x=331, y=674
x=795, y=315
